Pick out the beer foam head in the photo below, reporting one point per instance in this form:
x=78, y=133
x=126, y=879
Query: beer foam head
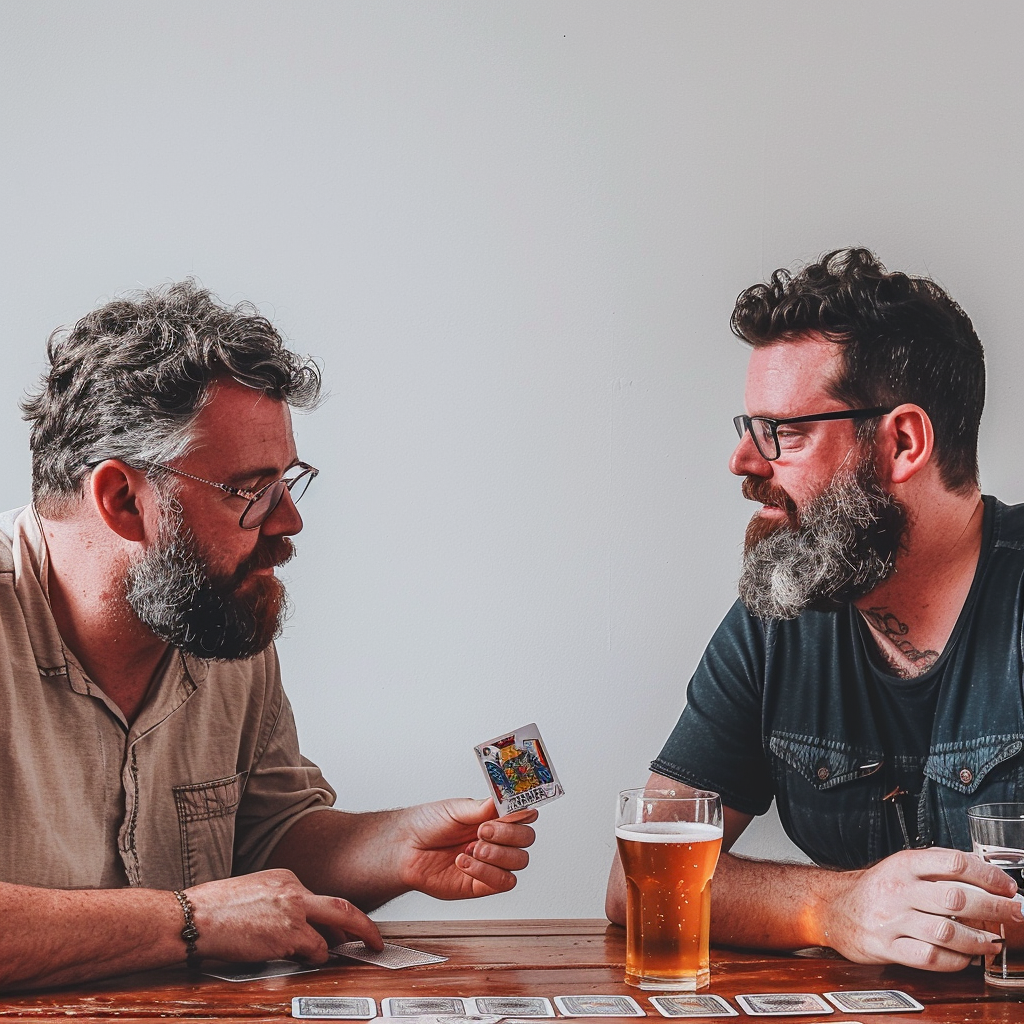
x=669, y=832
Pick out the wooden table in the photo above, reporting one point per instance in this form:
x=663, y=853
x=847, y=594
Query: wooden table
x=508, y=958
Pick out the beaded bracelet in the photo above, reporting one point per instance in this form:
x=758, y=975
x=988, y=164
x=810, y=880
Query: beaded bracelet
x=189, y=933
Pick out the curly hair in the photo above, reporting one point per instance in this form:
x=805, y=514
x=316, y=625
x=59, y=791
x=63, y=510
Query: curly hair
x=904, y=339
x=128, y=380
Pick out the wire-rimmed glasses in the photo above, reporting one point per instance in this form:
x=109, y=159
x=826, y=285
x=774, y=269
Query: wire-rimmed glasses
x=262, y=502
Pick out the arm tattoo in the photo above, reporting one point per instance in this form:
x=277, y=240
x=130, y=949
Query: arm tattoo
x=889, y=625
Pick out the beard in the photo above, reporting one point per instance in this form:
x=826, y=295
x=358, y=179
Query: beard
x=838, y=548
x=215, y=617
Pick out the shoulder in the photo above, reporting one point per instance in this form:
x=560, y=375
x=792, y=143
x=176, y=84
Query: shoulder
x=1007, y=524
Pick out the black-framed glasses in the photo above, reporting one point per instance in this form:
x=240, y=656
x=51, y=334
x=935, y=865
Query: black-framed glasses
x=765, y=431
x=263, y=501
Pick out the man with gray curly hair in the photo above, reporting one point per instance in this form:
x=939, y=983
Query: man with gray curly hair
x=156, y=807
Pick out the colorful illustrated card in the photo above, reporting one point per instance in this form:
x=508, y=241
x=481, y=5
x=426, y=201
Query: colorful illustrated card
x=518, y=769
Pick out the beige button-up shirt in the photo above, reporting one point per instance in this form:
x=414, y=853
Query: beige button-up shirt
x=201, y=785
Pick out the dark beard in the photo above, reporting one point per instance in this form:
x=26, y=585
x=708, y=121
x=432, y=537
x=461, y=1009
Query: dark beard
x=216, y=618
x=843, y=545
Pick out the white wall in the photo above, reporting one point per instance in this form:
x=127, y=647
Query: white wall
x=512, y=232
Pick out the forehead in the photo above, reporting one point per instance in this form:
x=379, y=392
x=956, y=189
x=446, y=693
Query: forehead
x=787, y=378
x=242, y=428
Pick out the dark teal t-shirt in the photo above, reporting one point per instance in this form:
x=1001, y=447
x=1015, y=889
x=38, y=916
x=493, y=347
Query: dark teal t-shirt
x=801, y=712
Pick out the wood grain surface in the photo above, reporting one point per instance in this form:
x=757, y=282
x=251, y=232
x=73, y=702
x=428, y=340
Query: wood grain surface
x=543, y=957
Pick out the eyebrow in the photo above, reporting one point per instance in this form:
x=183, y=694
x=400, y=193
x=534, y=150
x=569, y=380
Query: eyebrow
x=258, y=473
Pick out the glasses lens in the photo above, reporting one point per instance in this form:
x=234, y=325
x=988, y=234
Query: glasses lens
x=258, y=511
x=764, y=437
x=740, y=423
x=297, y=484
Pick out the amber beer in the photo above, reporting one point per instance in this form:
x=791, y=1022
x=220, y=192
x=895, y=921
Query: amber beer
x=668, y=866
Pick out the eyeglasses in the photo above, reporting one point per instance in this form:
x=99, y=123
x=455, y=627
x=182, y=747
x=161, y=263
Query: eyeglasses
x=262, y=502
x=765, y=430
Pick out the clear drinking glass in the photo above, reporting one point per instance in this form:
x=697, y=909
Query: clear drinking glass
x=997, y=834
x=668, y=841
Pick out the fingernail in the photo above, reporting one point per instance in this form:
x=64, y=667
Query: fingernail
x=462, y=861
x=486, y=832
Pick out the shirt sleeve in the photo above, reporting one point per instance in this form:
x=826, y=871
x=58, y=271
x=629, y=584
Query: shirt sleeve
x=717, y=742
x=282, y=785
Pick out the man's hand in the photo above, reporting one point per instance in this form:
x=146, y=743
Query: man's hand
x=457, y=849
x=270, y=915
x=920, y=908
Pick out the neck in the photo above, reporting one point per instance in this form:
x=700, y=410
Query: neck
x=86, y=590
x=913, y=613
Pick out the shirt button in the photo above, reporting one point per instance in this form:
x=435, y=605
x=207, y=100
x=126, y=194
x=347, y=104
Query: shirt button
x=966, y=776
x=823, y=773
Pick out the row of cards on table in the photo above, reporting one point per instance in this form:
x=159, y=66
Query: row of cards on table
x=527, y=1009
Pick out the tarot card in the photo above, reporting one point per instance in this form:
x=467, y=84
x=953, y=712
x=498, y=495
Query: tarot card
x=693, y=1006
x=254, y=972
x=333, y=1008
x=783, y=1004
x=886, y=1000
x=519, y=772
x=424, y=1005
x=392, y=956
x=512, y=1006
x=599, y=1006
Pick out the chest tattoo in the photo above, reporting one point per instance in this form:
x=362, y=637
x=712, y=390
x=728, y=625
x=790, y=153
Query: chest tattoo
x=905, y=658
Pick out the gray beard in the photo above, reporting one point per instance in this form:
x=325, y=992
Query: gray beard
x=844, y=546
x=173, y=592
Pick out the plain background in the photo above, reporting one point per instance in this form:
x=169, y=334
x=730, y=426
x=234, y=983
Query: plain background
x=512, y=233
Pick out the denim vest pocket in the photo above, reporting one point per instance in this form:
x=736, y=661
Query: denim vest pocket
x=829, y=798
x=206, y=820
x=981, y=771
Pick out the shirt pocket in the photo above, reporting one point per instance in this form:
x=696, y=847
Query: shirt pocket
x=206, y=820
x=829, y=798
x=980, y=771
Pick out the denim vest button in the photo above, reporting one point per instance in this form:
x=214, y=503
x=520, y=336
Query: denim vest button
x=823, y=773
x=966, y=776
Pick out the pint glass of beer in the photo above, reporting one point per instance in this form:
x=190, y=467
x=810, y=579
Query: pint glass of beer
x=668, y=841
x=997, y=835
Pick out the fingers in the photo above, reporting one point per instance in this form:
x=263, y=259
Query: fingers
x=509, y=831
x=487, y=878
x=938, y=863
x=340, y=919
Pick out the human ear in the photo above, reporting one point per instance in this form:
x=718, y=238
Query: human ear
x=907, y=442
x=123, y=499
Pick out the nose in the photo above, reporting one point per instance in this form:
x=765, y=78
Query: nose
x=746, y=460
x=285, y=520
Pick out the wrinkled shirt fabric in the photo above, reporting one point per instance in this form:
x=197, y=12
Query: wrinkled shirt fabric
x=202, y=785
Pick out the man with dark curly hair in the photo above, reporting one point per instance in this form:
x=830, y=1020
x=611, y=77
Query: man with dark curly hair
x=155, y=805
x=869, y=678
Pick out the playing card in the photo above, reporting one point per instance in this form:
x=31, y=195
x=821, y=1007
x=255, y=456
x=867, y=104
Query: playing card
x=693, y=1006
x=599, y=1006
x=886, y=1000
x=333, y=1008
x=518, y=769
x=418, y=1006
x=393, y=957
x=782, y=1004
x=441, y=1018
x=253, y=972
x=511, y=1006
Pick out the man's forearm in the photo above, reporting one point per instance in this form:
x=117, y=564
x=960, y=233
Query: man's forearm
x=58, y=937
x=340, y=853
x=768, y=905
x=756, y=904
